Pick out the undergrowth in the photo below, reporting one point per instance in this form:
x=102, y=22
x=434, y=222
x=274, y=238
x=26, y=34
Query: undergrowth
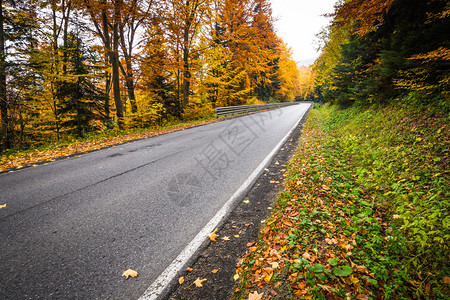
x=365, y=211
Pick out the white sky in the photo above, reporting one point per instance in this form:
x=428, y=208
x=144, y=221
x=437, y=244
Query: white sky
x=298, y=23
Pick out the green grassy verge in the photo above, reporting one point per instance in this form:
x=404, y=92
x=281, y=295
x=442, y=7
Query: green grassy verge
x=365, y=211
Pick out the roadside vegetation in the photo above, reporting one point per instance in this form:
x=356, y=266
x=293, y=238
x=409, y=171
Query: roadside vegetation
x=364, y=213
x=16, y=159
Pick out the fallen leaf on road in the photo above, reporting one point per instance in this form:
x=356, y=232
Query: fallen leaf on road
x=3, y=206
x=189, y=269
x=212, y=236
x=246, y=201
x=198, y=282
x=181, y=280
x=255, y=296
x=226, y=238
x=215, y=271
x=130, y=273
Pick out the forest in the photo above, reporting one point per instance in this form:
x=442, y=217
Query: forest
x=69, y=68
x=383, y=51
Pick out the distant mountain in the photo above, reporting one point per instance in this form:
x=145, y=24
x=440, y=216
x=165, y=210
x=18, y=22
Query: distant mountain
x=306, y=62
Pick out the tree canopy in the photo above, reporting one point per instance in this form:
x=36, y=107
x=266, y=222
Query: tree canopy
x=70, y=67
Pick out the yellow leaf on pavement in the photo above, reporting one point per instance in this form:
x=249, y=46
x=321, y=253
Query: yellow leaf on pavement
x=212, y=236
x=226, y=238
x=130, y=273
x=215, y=271
x=255, y=296
x=198, y=282
x=181, y=280
x=3, y=206
x=189, y=269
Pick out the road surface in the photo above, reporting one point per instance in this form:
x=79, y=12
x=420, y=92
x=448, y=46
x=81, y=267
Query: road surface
x=69, y=224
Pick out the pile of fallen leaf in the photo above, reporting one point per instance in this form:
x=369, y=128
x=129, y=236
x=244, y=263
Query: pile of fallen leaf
x=21, y=159
x=326, y=237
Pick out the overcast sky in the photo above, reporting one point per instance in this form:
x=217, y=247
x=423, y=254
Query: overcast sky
x=298, y=23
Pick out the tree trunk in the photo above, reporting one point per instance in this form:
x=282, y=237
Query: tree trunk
x=6, y=135
x=130, y=86
x=107, y=92
x=66, y=16
x=114, y=58
x=186, y=67
x=128, y=73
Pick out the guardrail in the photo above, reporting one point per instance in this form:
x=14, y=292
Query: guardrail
x=232, y=110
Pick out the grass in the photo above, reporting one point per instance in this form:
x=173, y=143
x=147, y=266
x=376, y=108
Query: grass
x=364, y=213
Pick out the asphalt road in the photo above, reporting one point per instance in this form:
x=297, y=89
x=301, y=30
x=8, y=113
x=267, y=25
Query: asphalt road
x=68, y=225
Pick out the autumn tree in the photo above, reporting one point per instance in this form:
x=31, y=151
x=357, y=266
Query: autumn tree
x=106, y=17
x=377, y=50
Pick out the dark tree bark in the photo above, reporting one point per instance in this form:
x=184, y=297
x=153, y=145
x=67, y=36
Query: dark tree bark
x=114, y=58
x=186, y=66
x=6, y=135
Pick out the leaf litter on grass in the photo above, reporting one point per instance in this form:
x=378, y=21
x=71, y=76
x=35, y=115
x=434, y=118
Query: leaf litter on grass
x=327, y=236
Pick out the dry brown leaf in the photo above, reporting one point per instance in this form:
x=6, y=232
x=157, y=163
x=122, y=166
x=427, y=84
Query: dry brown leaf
x=306, y=255
x=130, y=273
x=198, y=282
x=3, y=206
x=212, y=236
x=447, y=280
x=255, y=296
x=362, y=269
x=362, y=297
x=326, y=288
x=181, y=280
x=215, y=271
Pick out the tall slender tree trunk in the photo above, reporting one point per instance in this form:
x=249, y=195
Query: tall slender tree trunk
x=66, y=16
x=186, y=66
x=6, y=135
x=130, y=85
x=114, y=57
x=107, y=92
x=128, y=73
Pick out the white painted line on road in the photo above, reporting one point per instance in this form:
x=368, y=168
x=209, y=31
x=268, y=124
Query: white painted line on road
x=163, y=281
